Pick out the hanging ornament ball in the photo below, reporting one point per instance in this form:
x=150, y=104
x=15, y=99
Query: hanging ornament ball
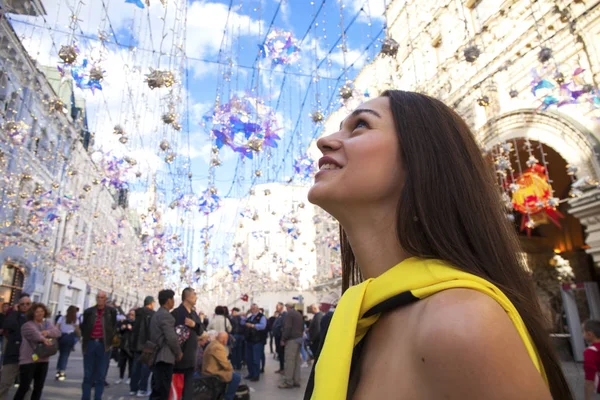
x=559, y=78
x=130, y=161
x=169, y=158
x=513, y=93
x=138, y=174
x=317, y=116
x=68, y=54
x=169, y=118
x=213, y=190
x=157, y=79
x=258, y=173
x=96, y=74
x=255, y=144
x=215, y=162
x=472, y=53
x=483, y=101
x=267, y=192
x=164, y=145
x=55, y=185
x=390, y=47
x=346, y=91
x=87, y=188
x=56, y=105
x=123, y=139
x=545, y=54
x=118, y=130
x=176, y=125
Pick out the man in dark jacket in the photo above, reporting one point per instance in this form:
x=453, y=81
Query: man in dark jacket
x=139, y=336
x=12, y=325
x=237, y=331
x=314, y=330
x=277, y=332
x=185, y=315
x=162, y=332
x=98, y=329
x=291, y=338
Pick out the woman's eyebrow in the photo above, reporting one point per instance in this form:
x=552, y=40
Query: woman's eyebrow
x=361, y=111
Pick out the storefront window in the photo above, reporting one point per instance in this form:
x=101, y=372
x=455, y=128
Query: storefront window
x=12, y=283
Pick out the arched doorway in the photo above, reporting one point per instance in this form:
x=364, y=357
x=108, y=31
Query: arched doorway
x=554, y=244
x=11, y=285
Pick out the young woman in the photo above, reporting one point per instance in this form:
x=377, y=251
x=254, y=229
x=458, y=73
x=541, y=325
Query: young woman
x=36, y=330
x=441, y=308
x=69, y=330
x=220, y=322
x=125, y=328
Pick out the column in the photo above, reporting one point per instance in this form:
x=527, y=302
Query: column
x=587, y=209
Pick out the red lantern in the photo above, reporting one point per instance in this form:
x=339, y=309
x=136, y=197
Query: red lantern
x=533, y=199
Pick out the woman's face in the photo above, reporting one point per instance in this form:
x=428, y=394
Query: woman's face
x=361, y=163
x=39, y=314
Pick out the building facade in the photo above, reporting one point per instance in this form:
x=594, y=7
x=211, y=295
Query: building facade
x=524, y=76
x=64, y=235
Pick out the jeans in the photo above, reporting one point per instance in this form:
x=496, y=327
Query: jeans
x=139, y=374
x=237, y=351
x=161, y=381
x=65, y=346
x=94, y=370
x=253, y=354
x=35, y=372
x=232, y=386
x=263, y=359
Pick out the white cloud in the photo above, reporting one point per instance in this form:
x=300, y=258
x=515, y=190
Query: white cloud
x=371, y=9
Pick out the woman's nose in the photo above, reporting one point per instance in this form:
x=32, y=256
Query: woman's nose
x=328, y=143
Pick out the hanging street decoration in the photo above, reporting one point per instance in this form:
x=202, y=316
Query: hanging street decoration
x=209, y=201
x=533, y=198
x=305, y=168
x=245, y=125
x=280, y=47
x=552, y=88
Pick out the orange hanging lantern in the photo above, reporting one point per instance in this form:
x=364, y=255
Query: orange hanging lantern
x=533, y=198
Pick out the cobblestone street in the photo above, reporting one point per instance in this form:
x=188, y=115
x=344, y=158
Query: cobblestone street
x=265, y=389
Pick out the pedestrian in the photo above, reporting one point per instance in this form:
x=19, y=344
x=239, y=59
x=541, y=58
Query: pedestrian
x=215, y=363
x=125, y=329
x=430, y=265
x=69, y=333
x=591, y=358
x=57, y=317
x=33, y=364
x=277, y=332
x=140, y=335
x=220, y=323
x=204, y=320
x=256, y=324
x=314, y=330
x=97, y=331
x=291, y=339
x=185, y=316
x=12, y=325
x=162, y=332
x=264, y=336
x=270, y=322
x=237, y=331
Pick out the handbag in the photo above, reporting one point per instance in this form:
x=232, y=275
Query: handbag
x=43, y=351
x=148, y=355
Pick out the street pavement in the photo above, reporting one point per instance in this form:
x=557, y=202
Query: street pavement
x=265, y=389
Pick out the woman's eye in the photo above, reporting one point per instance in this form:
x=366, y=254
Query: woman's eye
x=361, y=124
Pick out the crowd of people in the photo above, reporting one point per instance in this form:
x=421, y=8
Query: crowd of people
x=172, y=345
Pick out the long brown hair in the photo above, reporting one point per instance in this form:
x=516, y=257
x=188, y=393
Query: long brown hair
x=464, y=224
x=71, y=316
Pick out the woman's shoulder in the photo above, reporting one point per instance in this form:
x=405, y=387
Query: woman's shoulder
x=464, y=342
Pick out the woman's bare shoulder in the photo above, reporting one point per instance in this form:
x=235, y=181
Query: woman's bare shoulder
x=466, y=346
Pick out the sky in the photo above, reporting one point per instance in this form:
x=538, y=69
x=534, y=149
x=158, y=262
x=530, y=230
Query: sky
x=212, y=47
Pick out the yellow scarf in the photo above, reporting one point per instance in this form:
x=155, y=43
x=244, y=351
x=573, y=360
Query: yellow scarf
x=419, y=278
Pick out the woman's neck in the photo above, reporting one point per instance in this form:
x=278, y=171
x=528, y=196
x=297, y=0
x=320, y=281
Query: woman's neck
x=375, y=245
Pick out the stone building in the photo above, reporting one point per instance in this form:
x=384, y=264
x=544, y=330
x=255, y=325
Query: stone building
x=524, y=75
x=64, y=235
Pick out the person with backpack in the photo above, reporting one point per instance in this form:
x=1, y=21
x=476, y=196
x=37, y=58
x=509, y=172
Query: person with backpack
x=139, y=336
